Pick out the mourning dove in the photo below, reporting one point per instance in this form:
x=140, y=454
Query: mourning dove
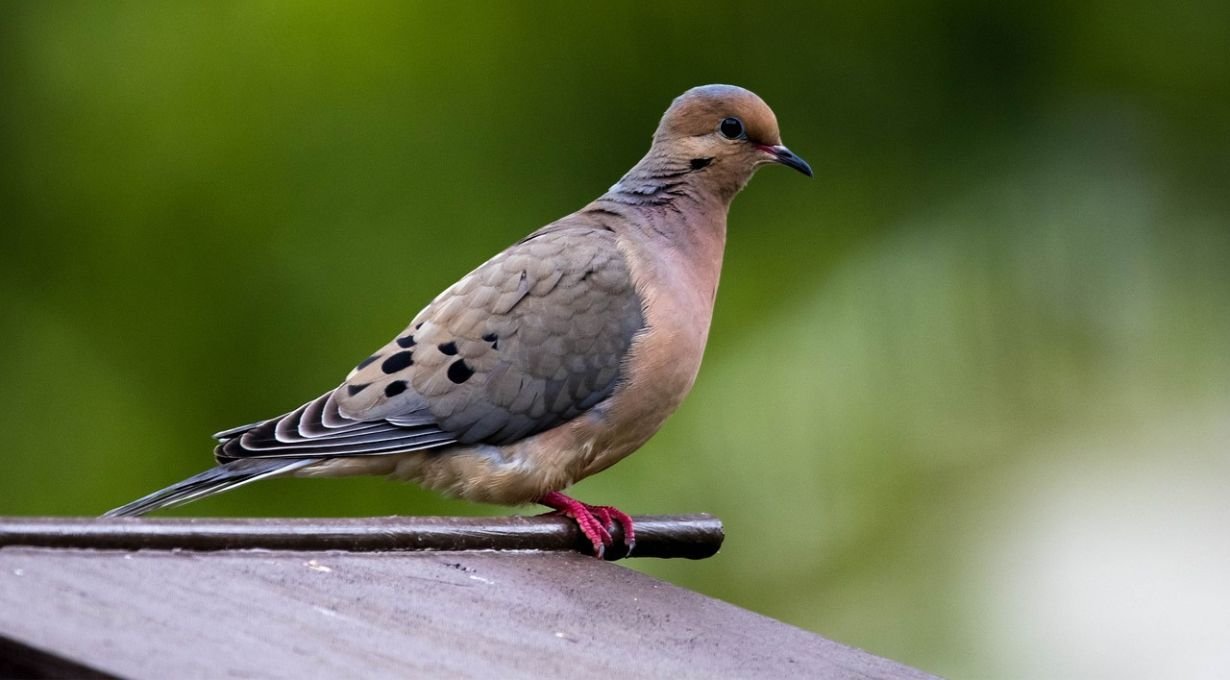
x=551, y=361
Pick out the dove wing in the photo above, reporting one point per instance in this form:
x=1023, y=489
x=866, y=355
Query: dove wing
x=532, y=338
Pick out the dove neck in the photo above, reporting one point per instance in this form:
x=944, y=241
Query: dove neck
x=662, y=179
x=676, y=214
x=667, y=207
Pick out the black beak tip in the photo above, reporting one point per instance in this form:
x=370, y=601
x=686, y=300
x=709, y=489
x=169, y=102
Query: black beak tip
x=788, y=158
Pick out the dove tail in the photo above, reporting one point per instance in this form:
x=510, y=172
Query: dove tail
x=214, y=481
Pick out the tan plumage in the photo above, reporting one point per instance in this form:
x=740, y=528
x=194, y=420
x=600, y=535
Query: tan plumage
x=552, y=360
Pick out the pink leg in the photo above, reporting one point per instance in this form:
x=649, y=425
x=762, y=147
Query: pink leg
x=607, y=513
x=592, y=520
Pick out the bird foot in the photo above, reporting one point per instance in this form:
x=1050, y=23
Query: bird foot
x=595, y=521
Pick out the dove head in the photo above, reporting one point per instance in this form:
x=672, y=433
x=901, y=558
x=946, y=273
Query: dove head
x=724, y=131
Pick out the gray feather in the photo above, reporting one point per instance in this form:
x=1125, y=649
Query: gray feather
x=213, y=481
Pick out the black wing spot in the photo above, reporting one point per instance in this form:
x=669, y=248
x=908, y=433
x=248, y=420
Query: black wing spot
x=405, y=341
x=398, y=362
x=366, y=362
x=395, y=388
x=493, y=339
x=449, y=348
x=357, y=388
x=459, y=371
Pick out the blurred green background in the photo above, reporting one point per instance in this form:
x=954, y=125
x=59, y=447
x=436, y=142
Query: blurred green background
x=966, y=402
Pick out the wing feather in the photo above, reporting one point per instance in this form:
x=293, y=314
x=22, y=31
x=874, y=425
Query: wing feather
x=531, y=339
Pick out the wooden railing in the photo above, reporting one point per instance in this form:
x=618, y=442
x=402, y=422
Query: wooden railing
x=687, y=536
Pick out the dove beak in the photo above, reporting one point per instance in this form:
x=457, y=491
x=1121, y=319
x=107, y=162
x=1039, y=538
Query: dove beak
x=780, y=154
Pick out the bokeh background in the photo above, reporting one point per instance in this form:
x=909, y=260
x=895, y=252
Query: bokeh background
x=966, y=402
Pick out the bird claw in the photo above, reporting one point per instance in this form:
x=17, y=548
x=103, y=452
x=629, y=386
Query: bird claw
x=609, y=516
x=595, y=521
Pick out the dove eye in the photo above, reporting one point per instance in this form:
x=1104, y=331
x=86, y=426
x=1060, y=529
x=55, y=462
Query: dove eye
x=731, y=128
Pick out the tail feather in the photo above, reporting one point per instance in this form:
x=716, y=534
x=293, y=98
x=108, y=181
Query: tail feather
x=214, y=481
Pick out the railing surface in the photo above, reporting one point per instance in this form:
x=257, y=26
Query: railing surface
x=381, y=597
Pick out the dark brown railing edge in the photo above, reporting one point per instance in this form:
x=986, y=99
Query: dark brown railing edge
x=19, y=660
x=665, y=536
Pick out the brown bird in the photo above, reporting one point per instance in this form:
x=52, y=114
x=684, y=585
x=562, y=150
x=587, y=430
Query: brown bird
x=551, y=361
